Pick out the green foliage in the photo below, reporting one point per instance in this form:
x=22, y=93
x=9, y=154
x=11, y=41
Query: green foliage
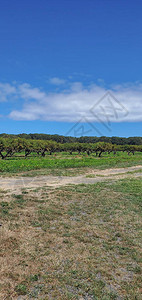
x=10, y=146
x=83, y=139
x=21, y=289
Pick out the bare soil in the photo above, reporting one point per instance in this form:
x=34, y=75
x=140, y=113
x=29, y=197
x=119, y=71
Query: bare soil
x=91, y=177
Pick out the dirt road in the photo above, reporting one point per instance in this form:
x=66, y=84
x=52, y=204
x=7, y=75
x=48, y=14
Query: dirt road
x=16, y=183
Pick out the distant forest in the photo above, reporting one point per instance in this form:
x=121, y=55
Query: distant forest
x=84, y=139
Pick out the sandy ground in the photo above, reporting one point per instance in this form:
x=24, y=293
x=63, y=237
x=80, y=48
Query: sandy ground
x=14, y=184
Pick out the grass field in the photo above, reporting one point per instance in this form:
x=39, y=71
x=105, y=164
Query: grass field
x=75, y=242
x=64, y=161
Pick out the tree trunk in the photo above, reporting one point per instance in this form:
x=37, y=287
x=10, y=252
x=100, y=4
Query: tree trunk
x=100, y=153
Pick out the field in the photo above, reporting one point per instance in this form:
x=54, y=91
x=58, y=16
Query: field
x=75, y=241
x=64, y=161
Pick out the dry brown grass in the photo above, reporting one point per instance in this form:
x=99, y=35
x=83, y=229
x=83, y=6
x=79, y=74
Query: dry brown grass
x=77, y=242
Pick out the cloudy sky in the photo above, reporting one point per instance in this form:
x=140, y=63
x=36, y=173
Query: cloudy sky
x=71, y=67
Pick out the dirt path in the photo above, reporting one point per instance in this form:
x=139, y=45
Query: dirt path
x=14, y=184
x=117, y=170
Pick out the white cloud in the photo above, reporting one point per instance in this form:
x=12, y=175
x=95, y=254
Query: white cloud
x=6, y=90
x=27, y=92
x=57, y=81
x=123, y=104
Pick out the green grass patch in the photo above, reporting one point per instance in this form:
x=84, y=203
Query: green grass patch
x=57, y=164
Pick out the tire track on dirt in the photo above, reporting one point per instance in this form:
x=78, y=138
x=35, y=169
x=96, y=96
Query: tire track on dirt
x=17, y=183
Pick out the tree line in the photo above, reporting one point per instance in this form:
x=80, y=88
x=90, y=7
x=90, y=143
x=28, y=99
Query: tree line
x=11, y=146
x=69, y=139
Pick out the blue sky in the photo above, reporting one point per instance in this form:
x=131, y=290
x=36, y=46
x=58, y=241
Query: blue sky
x=59, y=58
